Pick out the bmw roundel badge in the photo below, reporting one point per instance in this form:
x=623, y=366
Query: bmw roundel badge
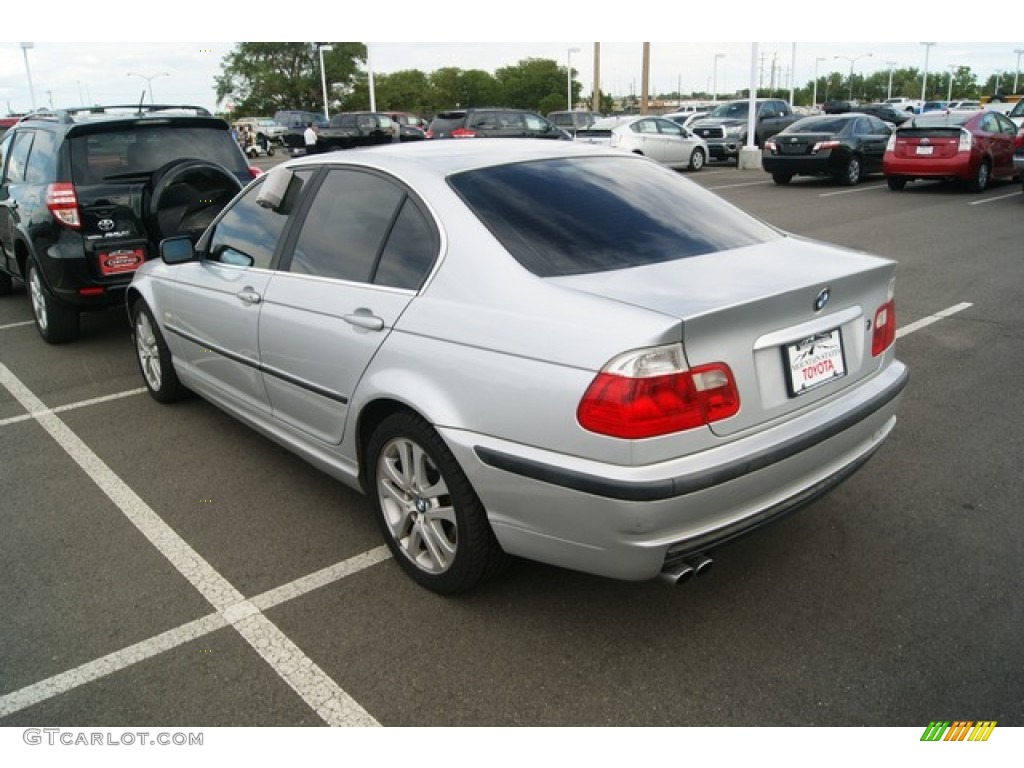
x=822, y=300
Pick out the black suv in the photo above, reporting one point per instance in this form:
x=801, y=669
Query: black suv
x=87, y=194
x=493, y=122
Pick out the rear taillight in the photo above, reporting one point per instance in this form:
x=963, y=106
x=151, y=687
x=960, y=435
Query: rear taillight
x=771, y=146
x=822, y=145
x=1018, y=142
x=463, y=133
x=255, y=172
x=965, y=141
x=650, y=392
x=884, y=333
x=891, y=144
x=63, y=204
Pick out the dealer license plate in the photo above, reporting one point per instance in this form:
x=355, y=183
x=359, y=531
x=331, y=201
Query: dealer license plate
x=120, y=261
x=815, y=361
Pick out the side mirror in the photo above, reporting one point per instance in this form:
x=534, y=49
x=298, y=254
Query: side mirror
x=274, y=188
x=177, y=250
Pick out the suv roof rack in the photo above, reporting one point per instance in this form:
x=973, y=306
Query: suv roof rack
x=71, y=114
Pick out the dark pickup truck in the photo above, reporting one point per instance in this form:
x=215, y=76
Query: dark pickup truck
x=725, y=128
x=355, y=129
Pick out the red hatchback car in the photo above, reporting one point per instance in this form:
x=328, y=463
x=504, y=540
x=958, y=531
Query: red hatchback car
x=972, y=146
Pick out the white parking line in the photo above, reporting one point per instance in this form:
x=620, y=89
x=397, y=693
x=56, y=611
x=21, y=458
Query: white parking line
x=16, y=325
x=859, y=188
x=744, y=184
x=926, y=321
x=993, y=199
x=315, y=687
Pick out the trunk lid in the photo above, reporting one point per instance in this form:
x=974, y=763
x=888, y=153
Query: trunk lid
x=752, y=307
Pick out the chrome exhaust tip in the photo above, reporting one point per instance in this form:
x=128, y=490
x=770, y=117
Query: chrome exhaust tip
x=701, y=564
x=678, y=573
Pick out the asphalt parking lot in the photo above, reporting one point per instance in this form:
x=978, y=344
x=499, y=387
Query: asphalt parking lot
x=168, y=565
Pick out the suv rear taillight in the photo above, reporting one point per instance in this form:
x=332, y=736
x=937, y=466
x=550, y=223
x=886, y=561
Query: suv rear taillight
x=463, y=133
x=648, y=393
x=255, y=172
x=62, y=202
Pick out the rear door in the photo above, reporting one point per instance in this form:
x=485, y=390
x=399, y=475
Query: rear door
x=363, y=250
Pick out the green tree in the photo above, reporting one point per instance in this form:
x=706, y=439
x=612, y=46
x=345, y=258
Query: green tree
x=533, y=82
x=453, y=87
x=265, y=77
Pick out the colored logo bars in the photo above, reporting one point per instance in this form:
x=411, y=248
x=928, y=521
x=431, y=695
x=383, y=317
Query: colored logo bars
x=960, y=730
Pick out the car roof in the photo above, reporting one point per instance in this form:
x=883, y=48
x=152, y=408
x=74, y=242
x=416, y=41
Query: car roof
x=448, y=157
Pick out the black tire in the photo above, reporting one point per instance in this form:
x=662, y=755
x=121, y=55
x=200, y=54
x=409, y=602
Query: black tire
x=782, y=178
x=896, y=183
x=697, y=159
x=432, y=520
x=982, y=176
x=852, y=172
x=6, y=284
x=186, y=197
x=153, y=357
x=56, y=322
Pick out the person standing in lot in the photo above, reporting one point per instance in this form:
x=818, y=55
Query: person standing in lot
x=309, y=136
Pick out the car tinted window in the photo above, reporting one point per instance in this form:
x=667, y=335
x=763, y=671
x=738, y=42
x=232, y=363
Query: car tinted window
x=248, y=233
x=109, y=155
x=410, y=251
x=668, y=127
x=18, y=160
x=343, y=233
x=42, y=159
x=582, y=215
x=536, y=123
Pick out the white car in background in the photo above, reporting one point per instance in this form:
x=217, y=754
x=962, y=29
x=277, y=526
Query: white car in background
x=658, y=138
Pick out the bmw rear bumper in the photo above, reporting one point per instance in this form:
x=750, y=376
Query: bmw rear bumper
x=627, y=522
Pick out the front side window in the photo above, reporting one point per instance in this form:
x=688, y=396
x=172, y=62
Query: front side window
x=248, y=233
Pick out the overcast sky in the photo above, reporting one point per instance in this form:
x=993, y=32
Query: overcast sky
x=72, y=73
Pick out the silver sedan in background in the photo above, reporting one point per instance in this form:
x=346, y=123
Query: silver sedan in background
x=658, y=138
x=540, y=349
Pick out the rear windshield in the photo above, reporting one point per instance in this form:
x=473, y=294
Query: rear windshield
x=940, y=120
x=819, y=125
x=108, y=156
x=572, y=216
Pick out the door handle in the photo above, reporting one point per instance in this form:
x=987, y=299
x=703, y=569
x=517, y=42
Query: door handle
x=249, y=296
x=362, y=318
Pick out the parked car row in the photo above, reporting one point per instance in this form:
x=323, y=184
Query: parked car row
x=971, y=146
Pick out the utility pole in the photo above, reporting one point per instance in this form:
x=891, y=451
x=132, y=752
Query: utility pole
x=645, y=79
x=595, y=96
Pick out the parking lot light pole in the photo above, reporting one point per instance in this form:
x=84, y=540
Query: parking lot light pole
x=892, y=66
x=852, y=61
x=949, y=93
x=149, y=81
x=1016, y=72
x=568, y=75
x=28, y=72
x=714, y=87
x=323, y=76
x=814, y=96
x=924, y=79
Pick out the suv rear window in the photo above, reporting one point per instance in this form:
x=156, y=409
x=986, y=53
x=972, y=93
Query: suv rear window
x=98, y=157
x=576, y=216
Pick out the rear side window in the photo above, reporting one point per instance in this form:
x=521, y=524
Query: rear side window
x=576, y=216
x=365, y=228
x=120, y=154
x=17, y=162
x=42, y=160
